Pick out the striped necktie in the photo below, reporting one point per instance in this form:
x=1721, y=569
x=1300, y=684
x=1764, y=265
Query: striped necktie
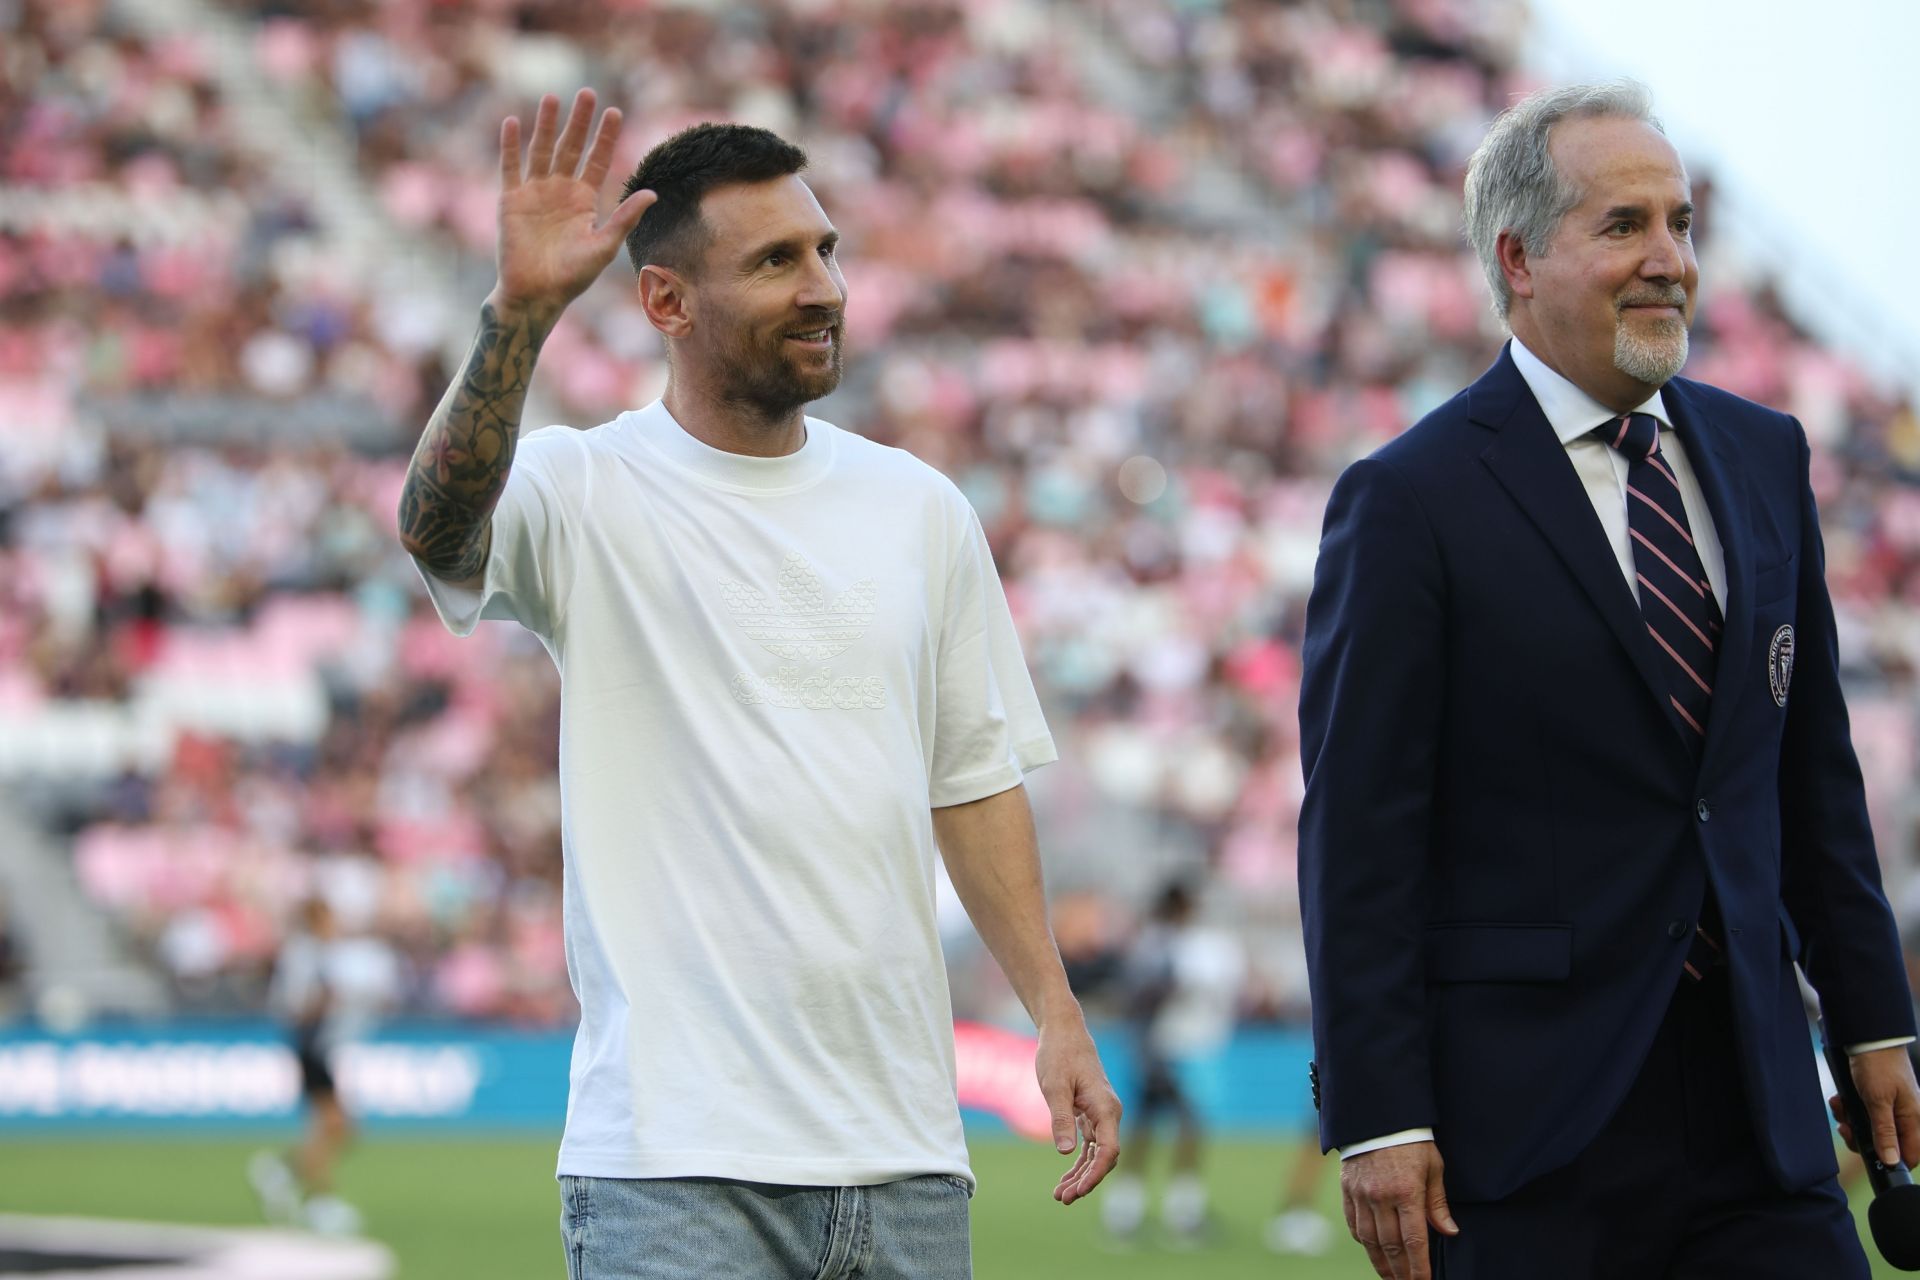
x=1677, y=601
x=1675, y=597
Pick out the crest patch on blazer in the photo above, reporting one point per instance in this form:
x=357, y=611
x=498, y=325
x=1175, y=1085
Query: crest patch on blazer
x=1780, y=663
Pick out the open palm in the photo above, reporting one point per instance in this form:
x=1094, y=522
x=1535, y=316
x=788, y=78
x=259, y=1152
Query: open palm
x=550, y=246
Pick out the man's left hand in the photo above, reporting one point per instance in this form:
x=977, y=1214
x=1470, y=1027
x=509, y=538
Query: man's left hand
x=1083, y=1104
x=1885, y=1080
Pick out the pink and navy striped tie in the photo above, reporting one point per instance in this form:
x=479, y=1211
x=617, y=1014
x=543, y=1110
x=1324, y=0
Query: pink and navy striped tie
x=1677, y=601
x=1675, y=597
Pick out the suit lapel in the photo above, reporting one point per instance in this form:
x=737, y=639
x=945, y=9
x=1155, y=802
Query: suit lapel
x=1714, y=453
x=1531, y=464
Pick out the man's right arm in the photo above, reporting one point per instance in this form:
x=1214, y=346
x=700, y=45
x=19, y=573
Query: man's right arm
x=460, y=466
x=1370, y=715
x=1371, y=696
x=551, y=248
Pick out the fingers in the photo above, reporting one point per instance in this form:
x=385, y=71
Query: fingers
x=1388, y=1255
x=1060, y=1103
x=1906, y=1112
x=600, y=157
x=1065, y=1133
x=573, y=139
x=1096, y=1114
x=1357, y=1214
x=1437, y=1211
x=540, y=150
x=1411, y=1219
x=510, y=153
x=1064, y=1190
x=549, y=155
x=1102, y=1150
x=1399, y=1246
x=626, y=217
x=1362, y=1224
x=1886, y=1134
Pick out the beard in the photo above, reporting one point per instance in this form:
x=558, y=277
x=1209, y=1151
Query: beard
x=1651, y=351
x=759, y=373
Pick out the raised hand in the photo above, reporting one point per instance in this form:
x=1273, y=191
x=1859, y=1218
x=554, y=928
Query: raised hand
x=550, y=250
x=550, y=246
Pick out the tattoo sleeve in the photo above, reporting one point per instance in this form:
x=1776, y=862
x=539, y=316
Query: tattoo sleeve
x=460, y=466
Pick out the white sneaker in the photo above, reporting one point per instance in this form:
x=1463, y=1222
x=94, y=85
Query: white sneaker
x=1123, y=1208
x=276, y=1187
x=1183, y=1210
x=1300, y=1231
x=331, y=1216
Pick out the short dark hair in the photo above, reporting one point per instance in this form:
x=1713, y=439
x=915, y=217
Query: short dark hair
x=1176, y=900
x=683, y=169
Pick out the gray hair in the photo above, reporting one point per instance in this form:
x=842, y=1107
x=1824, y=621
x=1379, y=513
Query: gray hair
x=1512, y=184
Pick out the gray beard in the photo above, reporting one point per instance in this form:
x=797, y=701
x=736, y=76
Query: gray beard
x=1652, y=359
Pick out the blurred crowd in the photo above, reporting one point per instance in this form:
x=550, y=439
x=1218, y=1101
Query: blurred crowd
x=1141, y=277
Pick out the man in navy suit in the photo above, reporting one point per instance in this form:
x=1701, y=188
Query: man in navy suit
x=1580, y=789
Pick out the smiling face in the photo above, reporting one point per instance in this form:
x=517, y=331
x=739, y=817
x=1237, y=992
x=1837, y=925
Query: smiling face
x=768, y=300
x=1609, y=303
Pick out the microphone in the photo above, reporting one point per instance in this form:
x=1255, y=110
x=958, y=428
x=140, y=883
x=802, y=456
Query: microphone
x=1894, y=1216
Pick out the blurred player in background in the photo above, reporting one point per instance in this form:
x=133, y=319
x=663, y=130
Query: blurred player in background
x=314, y=993
x=787, y=669
x=10, y=964
x=1183, y=983
x=1297, y=1227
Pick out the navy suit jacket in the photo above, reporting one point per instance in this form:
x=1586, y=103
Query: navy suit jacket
x=1505, y=842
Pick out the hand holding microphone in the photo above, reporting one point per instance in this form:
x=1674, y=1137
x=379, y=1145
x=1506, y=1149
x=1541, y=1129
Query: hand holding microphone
x=1894, y=1216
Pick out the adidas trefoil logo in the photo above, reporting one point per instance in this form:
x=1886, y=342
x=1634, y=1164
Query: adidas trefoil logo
x=804, y=626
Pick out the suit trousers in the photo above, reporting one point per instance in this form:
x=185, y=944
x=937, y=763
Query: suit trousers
x=1673, y=1188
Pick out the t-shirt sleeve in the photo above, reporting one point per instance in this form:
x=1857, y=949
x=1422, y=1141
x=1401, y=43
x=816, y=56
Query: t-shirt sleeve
x=296, y=977
x=988, y=728
x=530, y=565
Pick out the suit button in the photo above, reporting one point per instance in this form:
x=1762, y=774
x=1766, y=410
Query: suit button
x=1677, y=930
x=1703, y=810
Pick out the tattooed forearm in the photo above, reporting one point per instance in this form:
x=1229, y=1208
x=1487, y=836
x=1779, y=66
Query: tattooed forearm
x=460, y=466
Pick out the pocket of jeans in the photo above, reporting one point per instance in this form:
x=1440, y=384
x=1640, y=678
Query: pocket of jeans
x=574, y=1202
x=960, y=1184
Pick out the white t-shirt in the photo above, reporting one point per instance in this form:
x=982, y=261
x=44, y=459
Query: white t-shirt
x=772, y=669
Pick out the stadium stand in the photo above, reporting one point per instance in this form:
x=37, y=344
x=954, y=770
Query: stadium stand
x=1141, y=278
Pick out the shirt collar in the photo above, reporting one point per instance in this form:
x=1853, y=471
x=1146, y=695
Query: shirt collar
x=1570, y=411
x=742, y=473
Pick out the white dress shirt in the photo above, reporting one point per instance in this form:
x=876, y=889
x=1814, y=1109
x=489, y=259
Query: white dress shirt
x=1573, y=414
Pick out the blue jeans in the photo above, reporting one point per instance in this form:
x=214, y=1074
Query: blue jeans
x=716, y=1229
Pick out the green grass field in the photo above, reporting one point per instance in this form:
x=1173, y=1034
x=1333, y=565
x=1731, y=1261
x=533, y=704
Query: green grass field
x=489, y=1210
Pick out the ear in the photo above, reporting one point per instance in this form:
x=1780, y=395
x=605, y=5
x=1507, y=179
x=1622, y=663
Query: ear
x=1514, y=264
x=667, y=300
